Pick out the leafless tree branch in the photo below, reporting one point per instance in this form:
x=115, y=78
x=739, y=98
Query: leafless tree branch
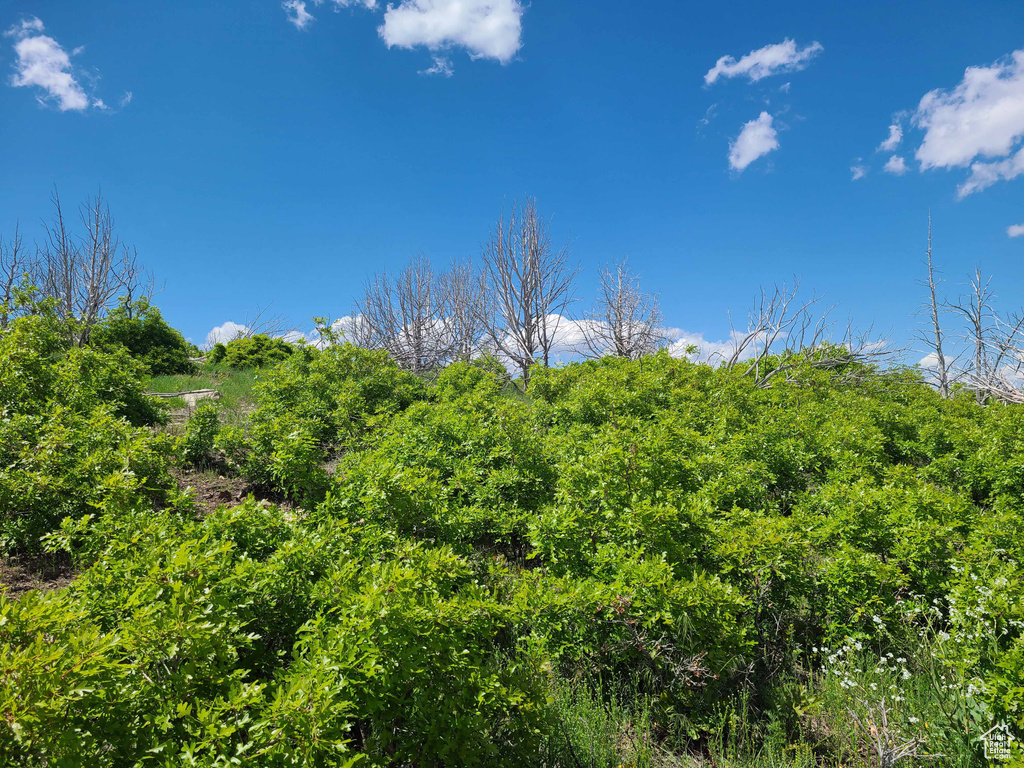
x=789, y=329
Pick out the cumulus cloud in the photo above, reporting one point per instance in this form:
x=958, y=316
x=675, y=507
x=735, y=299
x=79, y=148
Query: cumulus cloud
x=895, y=137
x=983, y=116
x=984, y=175
x=222, y=334
x=764, y=62
x=757, y=139
x=488, y=29
x=693, y=346
x=977, y=124
x=1016, y=230
x=896, y=165
x=43, y=64
x=858, y=172
x=297, y=14
x=344, y=327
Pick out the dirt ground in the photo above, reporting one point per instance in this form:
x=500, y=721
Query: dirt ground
x=212, y=489
x=20, y=575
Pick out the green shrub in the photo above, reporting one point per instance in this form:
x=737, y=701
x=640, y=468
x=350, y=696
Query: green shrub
x=257, y=351
x=315, y=404
x=72, y=440
x=196, y=446
x=140, y=328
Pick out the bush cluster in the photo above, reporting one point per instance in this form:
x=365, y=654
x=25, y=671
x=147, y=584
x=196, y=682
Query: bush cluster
x=140, y=328
x=468, y=568
x=257, y=351
x=73, y=432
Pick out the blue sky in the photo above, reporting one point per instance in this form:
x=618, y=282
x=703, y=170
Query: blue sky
x=256, y=152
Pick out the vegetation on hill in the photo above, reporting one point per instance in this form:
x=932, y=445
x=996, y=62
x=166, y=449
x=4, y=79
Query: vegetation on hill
x=792, y=556
x=257, y=351
x=640, y=561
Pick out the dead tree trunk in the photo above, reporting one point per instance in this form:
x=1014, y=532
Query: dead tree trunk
x=935, y=340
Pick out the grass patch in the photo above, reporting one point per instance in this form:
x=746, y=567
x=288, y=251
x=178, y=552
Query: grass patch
x=235, y=387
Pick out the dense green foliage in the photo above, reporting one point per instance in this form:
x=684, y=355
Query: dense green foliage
x=72, y=432
x=196, y=446
x=141, y=329
x=257, y=351
x=656, y=552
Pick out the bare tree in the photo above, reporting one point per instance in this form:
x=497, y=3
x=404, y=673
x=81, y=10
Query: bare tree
x=975, y=307
x=529, y=284
x=15, y=264
x=624, y=321
x=407, y=316
x=933, y=338
x=359, y=331
x=86, y=272
x=464, y=297
x=790, y=329
x=997, y=347
x=778, y=316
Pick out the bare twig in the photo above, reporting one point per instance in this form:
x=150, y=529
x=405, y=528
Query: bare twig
x=889, y=747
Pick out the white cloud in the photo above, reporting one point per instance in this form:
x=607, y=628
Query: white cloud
x=983, y=116
x=757, y=139
x=297, y=14
x=25, y=27
x=42, y=63
x=895, y=137
x=371, y=4
x=442, y=66
x=858, y=172
x=126, y=99
x=222, y=334
x=984, y=175
x=764, y=62
x=896, y=165
x=297, y=11
x=1016, y=230
x=488, y=29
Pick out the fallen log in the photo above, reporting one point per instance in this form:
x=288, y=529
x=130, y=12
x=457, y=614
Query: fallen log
x=191, y=397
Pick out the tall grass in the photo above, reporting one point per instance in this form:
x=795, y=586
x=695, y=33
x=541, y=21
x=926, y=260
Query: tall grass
x=595, y=729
